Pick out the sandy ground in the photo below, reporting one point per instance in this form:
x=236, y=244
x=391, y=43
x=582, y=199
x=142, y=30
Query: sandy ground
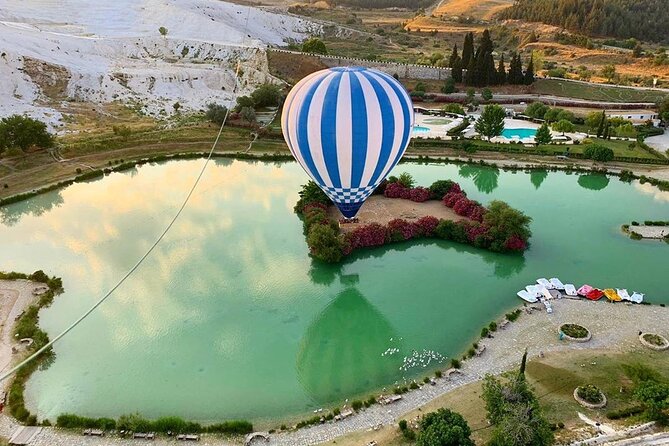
x=379, y=209
x=15, y=296
x=614, y=327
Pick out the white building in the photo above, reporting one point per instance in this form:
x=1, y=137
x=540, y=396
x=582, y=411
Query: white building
x=637, y=117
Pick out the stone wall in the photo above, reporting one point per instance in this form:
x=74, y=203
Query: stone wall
x=404, y=71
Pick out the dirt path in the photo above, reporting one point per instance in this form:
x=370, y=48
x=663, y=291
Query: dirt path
x=15, y=296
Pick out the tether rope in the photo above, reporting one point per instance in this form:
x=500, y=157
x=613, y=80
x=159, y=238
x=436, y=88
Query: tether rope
x=154, y=245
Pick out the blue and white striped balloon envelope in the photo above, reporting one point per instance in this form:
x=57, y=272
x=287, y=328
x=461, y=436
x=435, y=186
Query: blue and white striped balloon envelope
x=347, y=127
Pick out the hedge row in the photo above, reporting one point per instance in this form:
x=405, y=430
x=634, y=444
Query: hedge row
x=136, y=423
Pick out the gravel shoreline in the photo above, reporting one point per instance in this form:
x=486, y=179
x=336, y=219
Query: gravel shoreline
x=614, y=327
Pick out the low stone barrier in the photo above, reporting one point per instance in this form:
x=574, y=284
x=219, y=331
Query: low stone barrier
x=652, y=346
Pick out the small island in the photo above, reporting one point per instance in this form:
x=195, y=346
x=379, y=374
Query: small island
x=400, y=211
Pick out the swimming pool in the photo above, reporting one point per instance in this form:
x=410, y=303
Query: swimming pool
x=519, y=133
x=420, y=129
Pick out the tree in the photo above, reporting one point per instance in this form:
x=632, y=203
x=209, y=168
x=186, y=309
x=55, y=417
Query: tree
x=266, y=95
x=444, y=428
x=486, y=94
x=663, y=110
x=601, y=127
x=406, y=180
x=449, y=86
x=468, y=49
x=501, y=71
x=563, y=126
x=655, y=397
x=471, y=93
x=558, y=114
x=637, y=51
x=506, y=221
x=216, y=113
x=609, y=72
x=598, y=152
x=536, y=110
x=314, y=45
x=454, y=108
x=454, y=56
x=491, y=122
x=24, y=132
x=543, y=135
x=244, y=101
x=163, y=31
x=529, y=73
x=515, y=413
x=456, y=70
x=325, y=244
x=248, y=114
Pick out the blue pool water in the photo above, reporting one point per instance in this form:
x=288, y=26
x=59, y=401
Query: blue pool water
x=520, y=133
x=420, y=129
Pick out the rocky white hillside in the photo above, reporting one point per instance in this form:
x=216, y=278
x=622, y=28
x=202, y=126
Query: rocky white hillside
x=53, y=52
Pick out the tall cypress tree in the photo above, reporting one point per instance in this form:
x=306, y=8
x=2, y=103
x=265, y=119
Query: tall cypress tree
x=529, y=73
x=456, y=70
x=454, y=56
x=470, y=75
x=516, y=70
x=602, y=123
x=485, y=44
x=468, y=49
x=490, y=73
x=501, y=71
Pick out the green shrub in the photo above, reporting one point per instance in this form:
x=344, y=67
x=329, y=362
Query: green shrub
x=492, y=326
x=590, y=393
x=438, y=373
x=455, y=363
x=440, y=188
x=625, y=412
x=574, y=331
x=598, y=152
x=485, y=332
x=511, y=317
x=403, y=425
x=413, y=385
x=356, y=405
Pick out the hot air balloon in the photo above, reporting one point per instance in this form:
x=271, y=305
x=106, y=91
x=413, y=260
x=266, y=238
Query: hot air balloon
x=347, y=127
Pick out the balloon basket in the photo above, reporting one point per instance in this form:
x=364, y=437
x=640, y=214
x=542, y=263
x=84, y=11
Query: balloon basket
x=346, y=221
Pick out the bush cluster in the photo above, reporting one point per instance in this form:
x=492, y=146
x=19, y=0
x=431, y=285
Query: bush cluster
x=590, y=393
x=498, y=228
x=137, y=423
x=574, y=330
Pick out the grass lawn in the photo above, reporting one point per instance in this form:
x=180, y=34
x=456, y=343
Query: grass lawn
x=594, y=92
x=554, y=379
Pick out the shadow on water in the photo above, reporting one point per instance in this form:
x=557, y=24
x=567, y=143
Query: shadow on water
x=593, y=181
x=537, y=177
x=332, y=361
x=36, y=206
x=485, y=178
x=505, y=265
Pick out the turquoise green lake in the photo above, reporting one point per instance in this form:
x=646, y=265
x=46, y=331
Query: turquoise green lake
x=230, y=318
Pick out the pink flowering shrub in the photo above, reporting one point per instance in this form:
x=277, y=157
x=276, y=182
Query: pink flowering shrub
x=399, y=229
x=419, y=194
x=464, y=206
x=427, y=225
x=452, y=197
x=373, y=234
x=394, y=190
x=477, y=213
x=515, y=243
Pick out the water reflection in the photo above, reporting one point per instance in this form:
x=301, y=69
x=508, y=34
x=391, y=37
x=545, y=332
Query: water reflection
x=485, y=178
x=537, y=177
x=593, y=181
x=505, y=265
x=37, y=206
x=347, y=365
